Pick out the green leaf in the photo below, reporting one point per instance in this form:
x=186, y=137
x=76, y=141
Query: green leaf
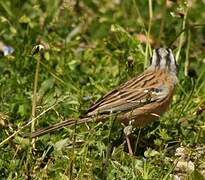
x=61, y=144
x=151, y=153
x=24, y=19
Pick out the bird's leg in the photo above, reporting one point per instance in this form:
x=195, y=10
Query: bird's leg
x=128, y=131
x=137, y=140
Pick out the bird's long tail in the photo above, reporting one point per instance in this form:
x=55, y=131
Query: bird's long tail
x=52, y=128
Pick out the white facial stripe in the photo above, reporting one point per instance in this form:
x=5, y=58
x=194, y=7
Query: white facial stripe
x=154, y=58
x=163, y=62
x=172, y=63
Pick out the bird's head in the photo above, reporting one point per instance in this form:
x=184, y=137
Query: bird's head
x=163, y=59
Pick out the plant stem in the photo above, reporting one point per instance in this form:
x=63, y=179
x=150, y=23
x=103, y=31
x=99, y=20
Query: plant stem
x=34, y=100
x=148, y=47
x=186, y=65
x=181, y=38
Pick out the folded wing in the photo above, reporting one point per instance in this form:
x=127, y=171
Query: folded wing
x=127, y=98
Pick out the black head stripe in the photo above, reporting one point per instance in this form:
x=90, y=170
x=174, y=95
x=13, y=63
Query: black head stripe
x=158, y=57
x=150, y=60
x=168, y=59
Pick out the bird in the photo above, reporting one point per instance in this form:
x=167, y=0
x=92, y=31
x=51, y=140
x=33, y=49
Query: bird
x=139, y=101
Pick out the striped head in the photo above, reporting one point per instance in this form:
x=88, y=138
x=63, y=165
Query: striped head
x=163, y=59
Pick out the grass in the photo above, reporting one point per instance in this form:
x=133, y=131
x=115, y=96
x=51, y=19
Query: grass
x=91, y=47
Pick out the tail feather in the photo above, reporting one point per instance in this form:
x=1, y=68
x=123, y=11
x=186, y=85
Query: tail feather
x=68, y=122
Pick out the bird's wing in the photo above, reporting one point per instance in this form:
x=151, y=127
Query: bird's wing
x=128, y=97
